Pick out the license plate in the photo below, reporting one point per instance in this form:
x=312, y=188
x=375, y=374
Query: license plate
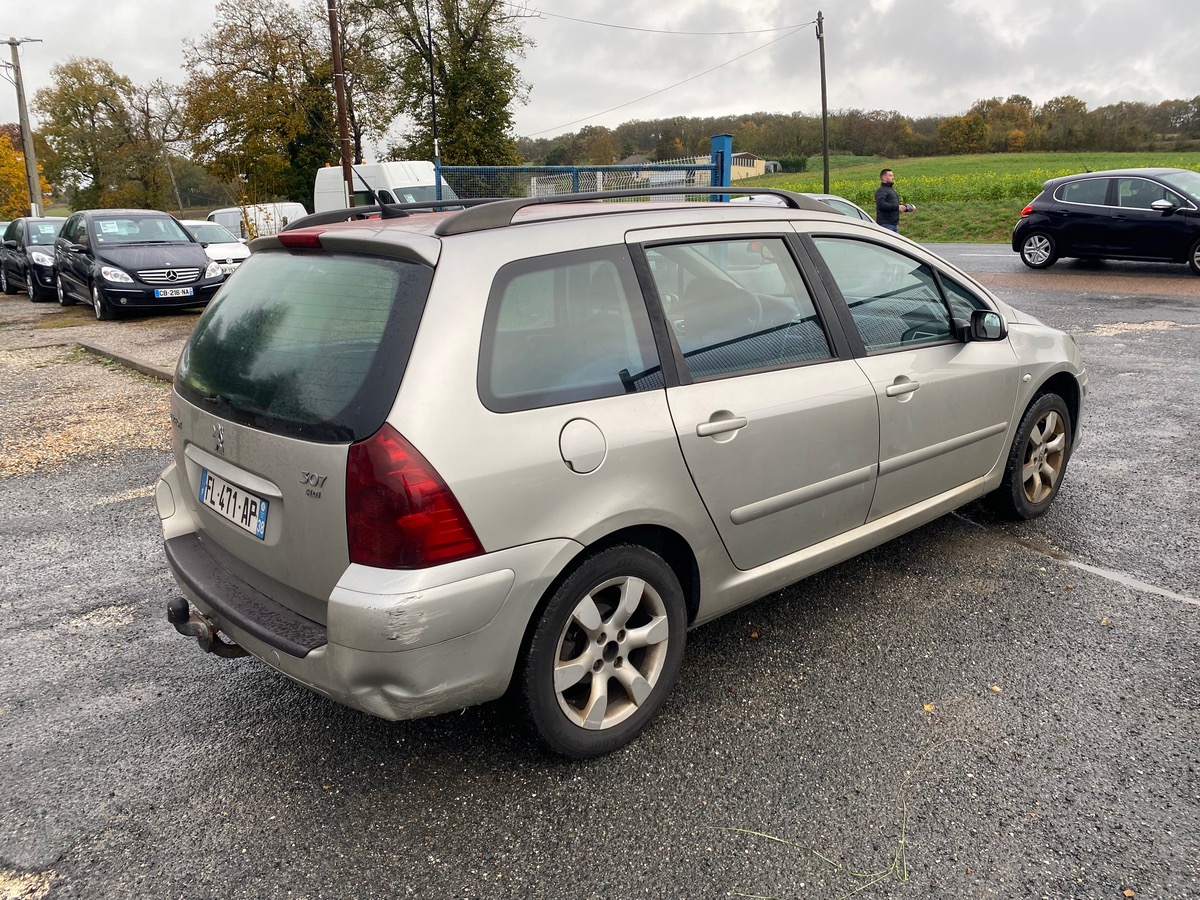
x=227, y=268
x=172, y=292
x=234, y=504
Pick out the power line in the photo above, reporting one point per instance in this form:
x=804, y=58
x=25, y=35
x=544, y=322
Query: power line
x=794, y=29
x=542, y=13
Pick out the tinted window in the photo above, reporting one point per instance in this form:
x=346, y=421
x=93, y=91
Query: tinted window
x=1091, y=190
x=293, y=343
x=737, y=305
x=1138, y=193
x=893, y=298
x=565, y=328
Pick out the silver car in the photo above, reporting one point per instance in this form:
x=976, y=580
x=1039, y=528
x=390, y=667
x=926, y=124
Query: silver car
x=424, y=459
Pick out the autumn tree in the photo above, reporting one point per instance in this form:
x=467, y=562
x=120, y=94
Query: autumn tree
x=109, y=137
x=476, y=83
x=14, y=191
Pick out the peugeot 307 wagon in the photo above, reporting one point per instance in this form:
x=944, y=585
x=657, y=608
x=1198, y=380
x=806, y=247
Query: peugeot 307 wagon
x=432, y=459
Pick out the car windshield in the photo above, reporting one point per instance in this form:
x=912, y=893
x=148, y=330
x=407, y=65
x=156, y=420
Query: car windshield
x=44, y=232
x=1187, y=182
x=137, y=230
x=212, y=233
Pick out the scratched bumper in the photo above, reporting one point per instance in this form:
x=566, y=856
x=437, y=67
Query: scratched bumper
x=396, y=644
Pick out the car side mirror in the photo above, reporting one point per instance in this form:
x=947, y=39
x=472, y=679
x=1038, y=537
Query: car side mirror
x=987, y=325
x=1162, y=206
x=10, y=244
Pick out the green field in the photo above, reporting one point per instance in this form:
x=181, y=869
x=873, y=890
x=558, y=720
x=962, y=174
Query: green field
x=962, y=198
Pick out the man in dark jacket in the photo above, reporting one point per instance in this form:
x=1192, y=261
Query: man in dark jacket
x=887, y=203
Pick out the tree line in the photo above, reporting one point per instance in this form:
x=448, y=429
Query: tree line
x=254, y=116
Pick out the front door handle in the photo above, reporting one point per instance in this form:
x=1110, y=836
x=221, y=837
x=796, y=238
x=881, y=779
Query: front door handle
x=900, y=388
x=720, y=426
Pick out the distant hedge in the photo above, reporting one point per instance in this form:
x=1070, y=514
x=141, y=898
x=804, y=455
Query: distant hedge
x=793, y=163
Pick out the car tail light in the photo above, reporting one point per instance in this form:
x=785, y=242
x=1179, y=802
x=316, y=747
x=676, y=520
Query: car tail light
x=301, y=240
x=399, y=512
x=1027, y=210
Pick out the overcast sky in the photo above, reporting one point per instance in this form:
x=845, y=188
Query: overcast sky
x=919, y=57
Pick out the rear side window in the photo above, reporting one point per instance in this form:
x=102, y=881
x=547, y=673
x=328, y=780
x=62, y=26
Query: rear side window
x=310, y=345
x=1093, y=191
x=737, y=306
x=565, y=328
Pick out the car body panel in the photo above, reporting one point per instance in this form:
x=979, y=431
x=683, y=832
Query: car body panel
x=27, y=254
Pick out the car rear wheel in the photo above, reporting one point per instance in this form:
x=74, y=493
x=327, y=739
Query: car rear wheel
x=5, y=285
x=605, y=653
x=1038, y=250
x=100, y=305
x=64, y=299
x=1037, y=461
x=1194, y=257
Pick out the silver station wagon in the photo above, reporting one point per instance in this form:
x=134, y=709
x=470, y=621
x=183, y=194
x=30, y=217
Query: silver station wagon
x=431, y=459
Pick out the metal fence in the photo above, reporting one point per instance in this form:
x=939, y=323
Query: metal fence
x=544, y=181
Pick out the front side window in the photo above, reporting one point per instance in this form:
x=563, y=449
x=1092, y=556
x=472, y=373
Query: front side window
x=737, y=305
x=1092, y=191
x=1138, y=193
x=962, y=301
x=893, y=299
x=566, y=328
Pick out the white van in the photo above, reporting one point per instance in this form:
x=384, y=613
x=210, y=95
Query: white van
x=255, y=220
x=397, y=181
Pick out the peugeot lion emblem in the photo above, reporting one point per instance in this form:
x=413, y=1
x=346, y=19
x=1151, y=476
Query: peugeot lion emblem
x=219, y=438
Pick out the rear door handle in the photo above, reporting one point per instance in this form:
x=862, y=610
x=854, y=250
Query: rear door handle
x=720, y=426
x=902, y=387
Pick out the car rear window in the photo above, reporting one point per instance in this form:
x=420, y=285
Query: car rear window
x=310, y=345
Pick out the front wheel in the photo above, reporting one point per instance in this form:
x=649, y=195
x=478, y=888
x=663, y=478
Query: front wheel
x=605, y=653
x=1194, y=257
x=1038, y=251
x=100, y=305
x=1037, y=461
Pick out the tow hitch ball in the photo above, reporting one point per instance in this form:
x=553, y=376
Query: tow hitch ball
x=193, y=624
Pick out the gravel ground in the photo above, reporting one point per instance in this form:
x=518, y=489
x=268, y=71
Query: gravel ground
x=79, y=407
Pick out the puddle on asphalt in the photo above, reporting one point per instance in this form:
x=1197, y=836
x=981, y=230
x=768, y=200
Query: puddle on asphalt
x=1119, y=577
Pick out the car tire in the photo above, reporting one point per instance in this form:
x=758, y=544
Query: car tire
x=1037, y=460
x=1194, y=258
x=100, y=305
x=1038, y=250
x=64, y=299
x=5, y=284
x=605, y=653
x=31, y=288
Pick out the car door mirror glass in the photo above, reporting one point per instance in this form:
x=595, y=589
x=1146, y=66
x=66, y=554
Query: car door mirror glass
x=987, y=325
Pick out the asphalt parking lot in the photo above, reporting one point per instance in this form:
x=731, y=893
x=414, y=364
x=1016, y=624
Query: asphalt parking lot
x=977, y=709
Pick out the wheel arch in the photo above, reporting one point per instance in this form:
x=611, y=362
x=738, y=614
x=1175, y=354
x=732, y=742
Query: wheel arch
x=659, y=539
x=1066, y=386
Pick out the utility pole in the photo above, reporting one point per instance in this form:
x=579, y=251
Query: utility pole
x=339, y=93
x=31, y=172
x=824, y=101
x=432, y=93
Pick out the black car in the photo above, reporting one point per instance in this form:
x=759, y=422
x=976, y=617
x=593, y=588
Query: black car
x=27, y=256
x=127, y=259
x=1142, y=214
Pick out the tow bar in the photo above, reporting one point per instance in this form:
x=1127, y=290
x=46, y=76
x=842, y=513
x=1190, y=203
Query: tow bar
x=192, y=624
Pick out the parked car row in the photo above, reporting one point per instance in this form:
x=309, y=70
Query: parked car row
x=118, y=259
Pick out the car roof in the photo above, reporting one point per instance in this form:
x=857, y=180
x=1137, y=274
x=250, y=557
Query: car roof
x=1111, y=173
x=125, y=212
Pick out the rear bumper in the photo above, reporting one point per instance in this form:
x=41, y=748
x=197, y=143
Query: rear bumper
x=397, y=644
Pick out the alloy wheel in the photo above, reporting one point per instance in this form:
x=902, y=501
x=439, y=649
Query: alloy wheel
x=1045, y=457
x=1038, y=250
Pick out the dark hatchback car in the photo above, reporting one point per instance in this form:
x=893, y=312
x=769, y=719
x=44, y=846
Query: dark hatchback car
x=27, y=256
x=1137, y=214
x=131, y=259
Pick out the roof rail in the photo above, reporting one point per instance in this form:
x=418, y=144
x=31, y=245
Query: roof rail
x=385, y=211
x=499, y=213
